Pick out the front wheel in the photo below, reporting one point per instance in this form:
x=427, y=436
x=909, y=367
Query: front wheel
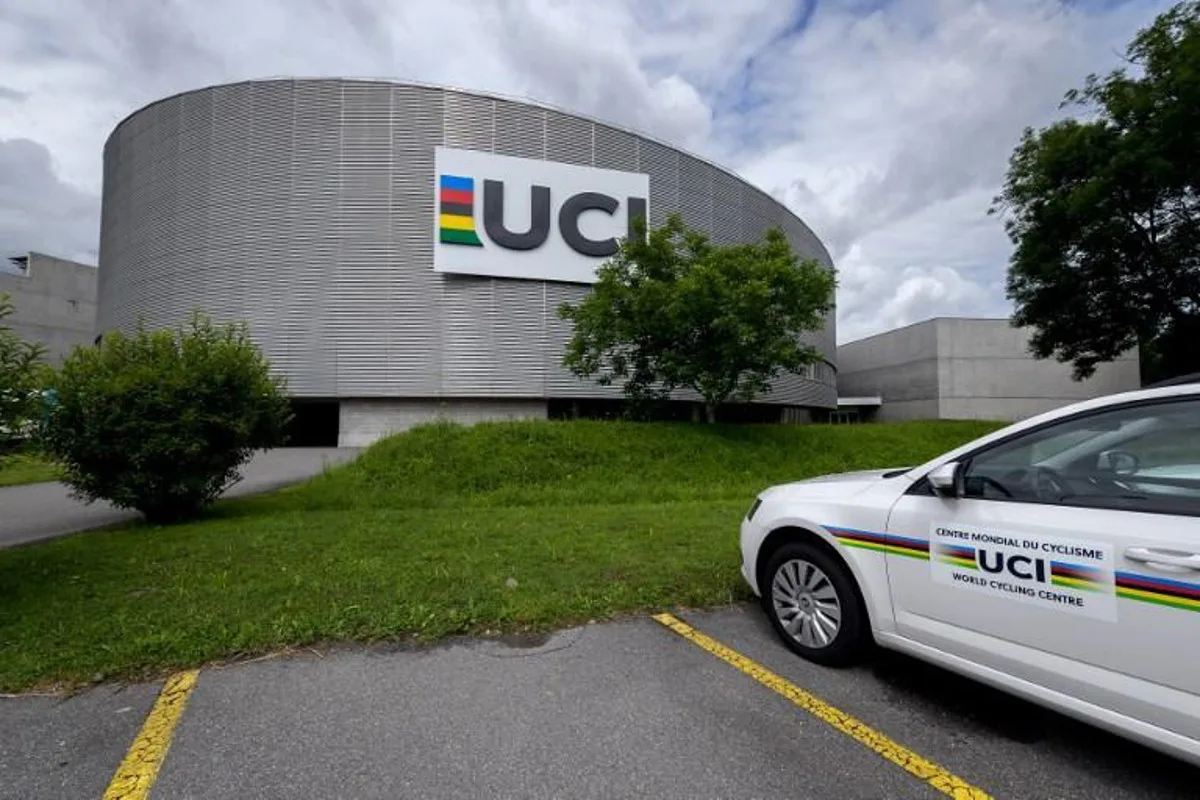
x=812, y=604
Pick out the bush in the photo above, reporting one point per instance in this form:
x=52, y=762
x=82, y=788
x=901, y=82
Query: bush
x=22, y=375
x=160, y=421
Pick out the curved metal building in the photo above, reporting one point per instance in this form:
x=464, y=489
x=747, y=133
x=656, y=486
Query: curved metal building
x=310, y=209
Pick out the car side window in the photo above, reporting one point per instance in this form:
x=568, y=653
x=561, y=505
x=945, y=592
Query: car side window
x=1137, y=458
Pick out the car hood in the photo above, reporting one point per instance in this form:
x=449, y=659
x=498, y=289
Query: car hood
x=839, y=484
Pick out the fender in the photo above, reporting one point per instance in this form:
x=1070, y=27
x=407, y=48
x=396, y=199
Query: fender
x=869, y=568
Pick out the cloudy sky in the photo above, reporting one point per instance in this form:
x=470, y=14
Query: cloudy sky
x=886, y=124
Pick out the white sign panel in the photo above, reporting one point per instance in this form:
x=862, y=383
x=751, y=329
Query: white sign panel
x=525, y=218
x=1069, y=575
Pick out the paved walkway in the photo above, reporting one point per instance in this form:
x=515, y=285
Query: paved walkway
x=43, y=510
x=631, y=709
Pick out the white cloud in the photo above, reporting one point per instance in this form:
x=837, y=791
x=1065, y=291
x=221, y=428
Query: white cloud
x=893, y=138
x=938, y=260
x=40, y=212
x=885, y=125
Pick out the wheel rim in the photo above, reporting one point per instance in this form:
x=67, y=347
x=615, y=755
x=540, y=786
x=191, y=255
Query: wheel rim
x=806, y=604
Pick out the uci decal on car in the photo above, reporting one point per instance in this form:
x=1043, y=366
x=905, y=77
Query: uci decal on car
x=1176, y=594
x=881, y=542
x=1024, y=567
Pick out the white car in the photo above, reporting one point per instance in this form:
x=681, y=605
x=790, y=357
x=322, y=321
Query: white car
x=1058, y=559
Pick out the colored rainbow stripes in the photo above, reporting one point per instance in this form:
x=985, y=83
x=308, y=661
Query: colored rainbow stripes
x=1076, y=576
x=1176, y=594
x=957, y=555
x=882, y=542
x=456, y=212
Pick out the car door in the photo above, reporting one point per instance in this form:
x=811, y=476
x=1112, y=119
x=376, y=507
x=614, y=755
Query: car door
x=1069, y=556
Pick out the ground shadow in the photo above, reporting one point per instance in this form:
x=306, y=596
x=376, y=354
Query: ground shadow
x=1122, y=761
x=941, y=692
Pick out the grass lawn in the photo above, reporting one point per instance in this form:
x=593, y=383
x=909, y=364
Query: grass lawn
x=26, y=468
x=439, y=531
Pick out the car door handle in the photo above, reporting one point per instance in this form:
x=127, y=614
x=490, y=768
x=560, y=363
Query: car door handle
x=1174, y=558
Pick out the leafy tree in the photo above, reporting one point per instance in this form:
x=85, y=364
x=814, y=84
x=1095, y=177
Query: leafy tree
x=22, y=375
x=673, y=310
x=160, y=421
x=1104, y=212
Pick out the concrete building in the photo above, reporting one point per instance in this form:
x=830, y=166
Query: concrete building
x=400, y=251
x=957, y=368
x=54, y=302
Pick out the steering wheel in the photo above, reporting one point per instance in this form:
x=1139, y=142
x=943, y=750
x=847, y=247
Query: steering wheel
x=1049, y=485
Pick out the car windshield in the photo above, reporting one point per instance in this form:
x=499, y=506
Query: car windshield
x=1134, y=453
x=1154, y=441
x=1063, y=444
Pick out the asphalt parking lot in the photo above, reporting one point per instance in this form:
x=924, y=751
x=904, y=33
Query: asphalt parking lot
x=627, y=709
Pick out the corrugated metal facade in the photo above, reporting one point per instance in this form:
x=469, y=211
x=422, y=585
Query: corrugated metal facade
x=305, y=208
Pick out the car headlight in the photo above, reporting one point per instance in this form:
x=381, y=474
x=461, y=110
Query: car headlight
x=753, y=508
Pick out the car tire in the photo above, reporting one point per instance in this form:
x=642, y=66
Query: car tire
x=811, y=585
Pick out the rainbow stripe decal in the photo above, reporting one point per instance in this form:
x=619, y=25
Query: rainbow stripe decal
x=882, y=542
x=1181, y=595
x=958, y=555
x=1076, y=576
x=456, y=211
x=1176, y=594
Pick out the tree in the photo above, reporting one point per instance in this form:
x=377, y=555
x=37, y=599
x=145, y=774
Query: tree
x=160, y=421
x=1104, y=212
x=22, y=376
x=673, y=310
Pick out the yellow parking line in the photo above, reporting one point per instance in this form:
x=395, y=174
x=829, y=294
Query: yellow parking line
x=140, y=768
x=938, y=777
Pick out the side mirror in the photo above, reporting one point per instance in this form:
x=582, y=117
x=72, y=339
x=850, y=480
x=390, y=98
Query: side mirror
x=946, y=480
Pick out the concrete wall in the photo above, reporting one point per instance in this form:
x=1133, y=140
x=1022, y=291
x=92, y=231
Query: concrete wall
x=900, y=365
x=55, y=304
x=960, y=368
x=985, y=371
x=306, y=208
x=364, y=421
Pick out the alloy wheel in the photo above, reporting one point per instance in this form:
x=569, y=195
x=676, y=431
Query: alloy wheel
x=806, y=603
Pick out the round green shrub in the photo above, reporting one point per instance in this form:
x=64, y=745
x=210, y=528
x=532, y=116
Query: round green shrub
x=160, y=421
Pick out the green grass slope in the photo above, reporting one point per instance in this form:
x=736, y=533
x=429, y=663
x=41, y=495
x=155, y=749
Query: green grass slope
x=439, y=531
x=589, y=463
x=20, y=468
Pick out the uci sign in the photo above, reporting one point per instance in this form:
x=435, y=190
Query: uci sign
x=525, y=218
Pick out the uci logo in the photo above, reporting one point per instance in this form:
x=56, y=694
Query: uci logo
x=1022, y=567
x=456, y=216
